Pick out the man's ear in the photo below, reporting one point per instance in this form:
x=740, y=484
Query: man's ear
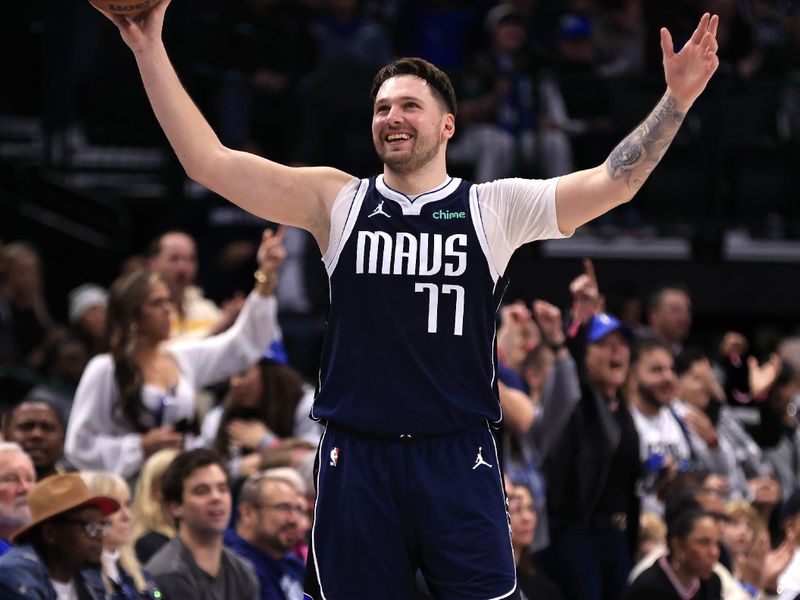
x=175, y=510
x=246, y=512
x=449, y=126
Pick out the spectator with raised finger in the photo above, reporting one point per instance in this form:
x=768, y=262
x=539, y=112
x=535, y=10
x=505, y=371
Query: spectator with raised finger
x=593, y=467
x=140, y=397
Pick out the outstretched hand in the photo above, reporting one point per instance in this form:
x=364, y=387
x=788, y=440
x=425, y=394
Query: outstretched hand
x=142, y=30
x=688, y=72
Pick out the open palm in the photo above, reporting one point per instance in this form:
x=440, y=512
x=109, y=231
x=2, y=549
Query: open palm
x=687, y=72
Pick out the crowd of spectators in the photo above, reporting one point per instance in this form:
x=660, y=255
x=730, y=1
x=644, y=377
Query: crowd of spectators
x=158, y=443
x=633, y=456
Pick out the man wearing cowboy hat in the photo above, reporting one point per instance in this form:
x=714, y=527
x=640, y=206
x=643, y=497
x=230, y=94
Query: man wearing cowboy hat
x=65, y=535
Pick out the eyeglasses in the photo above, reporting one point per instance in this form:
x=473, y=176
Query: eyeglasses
x=90, y=528
x=286, y=508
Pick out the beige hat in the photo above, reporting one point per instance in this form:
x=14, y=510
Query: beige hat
x=58, y=494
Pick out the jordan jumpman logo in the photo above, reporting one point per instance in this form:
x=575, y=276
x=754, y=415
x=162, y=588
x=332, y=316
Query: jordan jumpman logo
x=379, y=211
x=479, y=460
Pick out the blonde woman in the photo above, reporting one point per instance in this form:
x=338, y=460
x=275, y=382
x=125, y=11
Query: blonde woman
x=151, y=526
x=122, y=575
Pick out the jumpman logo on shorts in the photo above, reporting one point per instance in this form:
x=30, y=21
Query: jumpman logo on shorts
x=379, y=211
x=479, y=460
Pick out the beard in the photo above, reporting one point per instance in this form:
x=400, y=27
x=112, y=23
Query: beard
x=650, y=397
x=14, y=518
x=408, y=162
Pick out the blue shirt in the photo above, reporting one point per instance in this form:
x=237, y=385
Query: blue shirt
x=23, y=575
x=279, y=579
x=5, y=546
x=511, y=378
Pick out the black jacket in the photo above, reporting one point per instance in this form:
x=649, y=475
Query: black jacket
x=577, y=468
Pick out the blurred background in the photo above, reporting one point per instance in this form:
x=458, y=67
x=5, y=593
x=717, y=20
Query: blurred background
x=545, y=87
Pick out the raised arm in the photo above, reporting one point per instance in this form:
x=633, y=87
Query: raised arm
x=584, y=195
x=213, y=359
x=294, y=196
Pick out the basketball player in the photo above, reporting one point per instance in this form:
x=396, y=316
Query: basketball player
x=408, y=474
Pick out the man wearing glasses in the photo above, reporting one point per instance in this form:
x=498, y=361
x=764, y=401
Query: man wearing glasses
x=272, y=520
x=64, y=537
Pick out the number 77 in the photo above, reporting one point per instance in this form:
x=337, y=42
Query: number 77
x=433, y=305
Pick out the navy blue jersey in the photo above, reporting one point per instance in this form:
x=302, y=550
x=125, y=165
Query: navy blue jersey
x=410, y=346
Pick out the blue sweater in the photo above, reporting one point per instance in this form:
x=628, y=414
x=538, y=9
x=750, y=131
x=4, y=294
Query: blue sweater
x=279, y=579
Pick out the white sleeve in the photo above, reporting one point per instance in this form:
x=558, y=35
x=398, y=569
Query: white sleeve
x=215, y=358
x=93, y=439
x=515, y=212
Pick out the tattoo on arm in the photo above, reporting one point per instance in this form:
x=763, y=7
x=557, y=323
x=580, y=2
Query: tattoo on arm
x=637, y=155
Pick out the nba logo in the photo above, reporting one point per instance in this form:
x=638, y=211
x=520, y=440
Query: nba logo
x=334, y=457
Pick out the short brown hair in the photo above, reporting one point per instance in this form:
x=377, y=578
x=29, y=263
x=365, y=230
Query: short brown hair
x=182, y=467
x=437, y=79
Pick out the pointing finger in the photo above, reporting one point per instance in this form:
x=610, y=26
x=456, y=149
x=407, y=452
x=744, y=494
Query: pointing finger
x=588, y=268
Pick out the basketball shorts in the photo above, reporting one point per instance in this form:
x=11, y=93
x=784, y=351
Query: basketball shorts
x=387, y=508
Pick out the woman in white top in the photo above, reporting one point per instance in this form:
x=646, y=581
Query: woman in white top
x=140, y=397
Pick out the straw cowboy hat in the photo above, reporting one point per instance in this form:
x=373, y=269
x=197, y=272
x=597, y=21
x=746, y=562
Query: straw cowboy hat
x=58, y=494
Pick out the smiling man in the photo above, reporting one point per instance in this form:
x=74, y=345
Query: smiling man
x=194, y=564
x=668, y=431
x=407, y=381
x=272, y=520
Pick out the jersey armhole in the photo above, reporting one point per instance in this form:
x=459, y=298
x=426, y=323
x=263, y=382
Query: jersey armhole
x=480, y=231
x=343, y=219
